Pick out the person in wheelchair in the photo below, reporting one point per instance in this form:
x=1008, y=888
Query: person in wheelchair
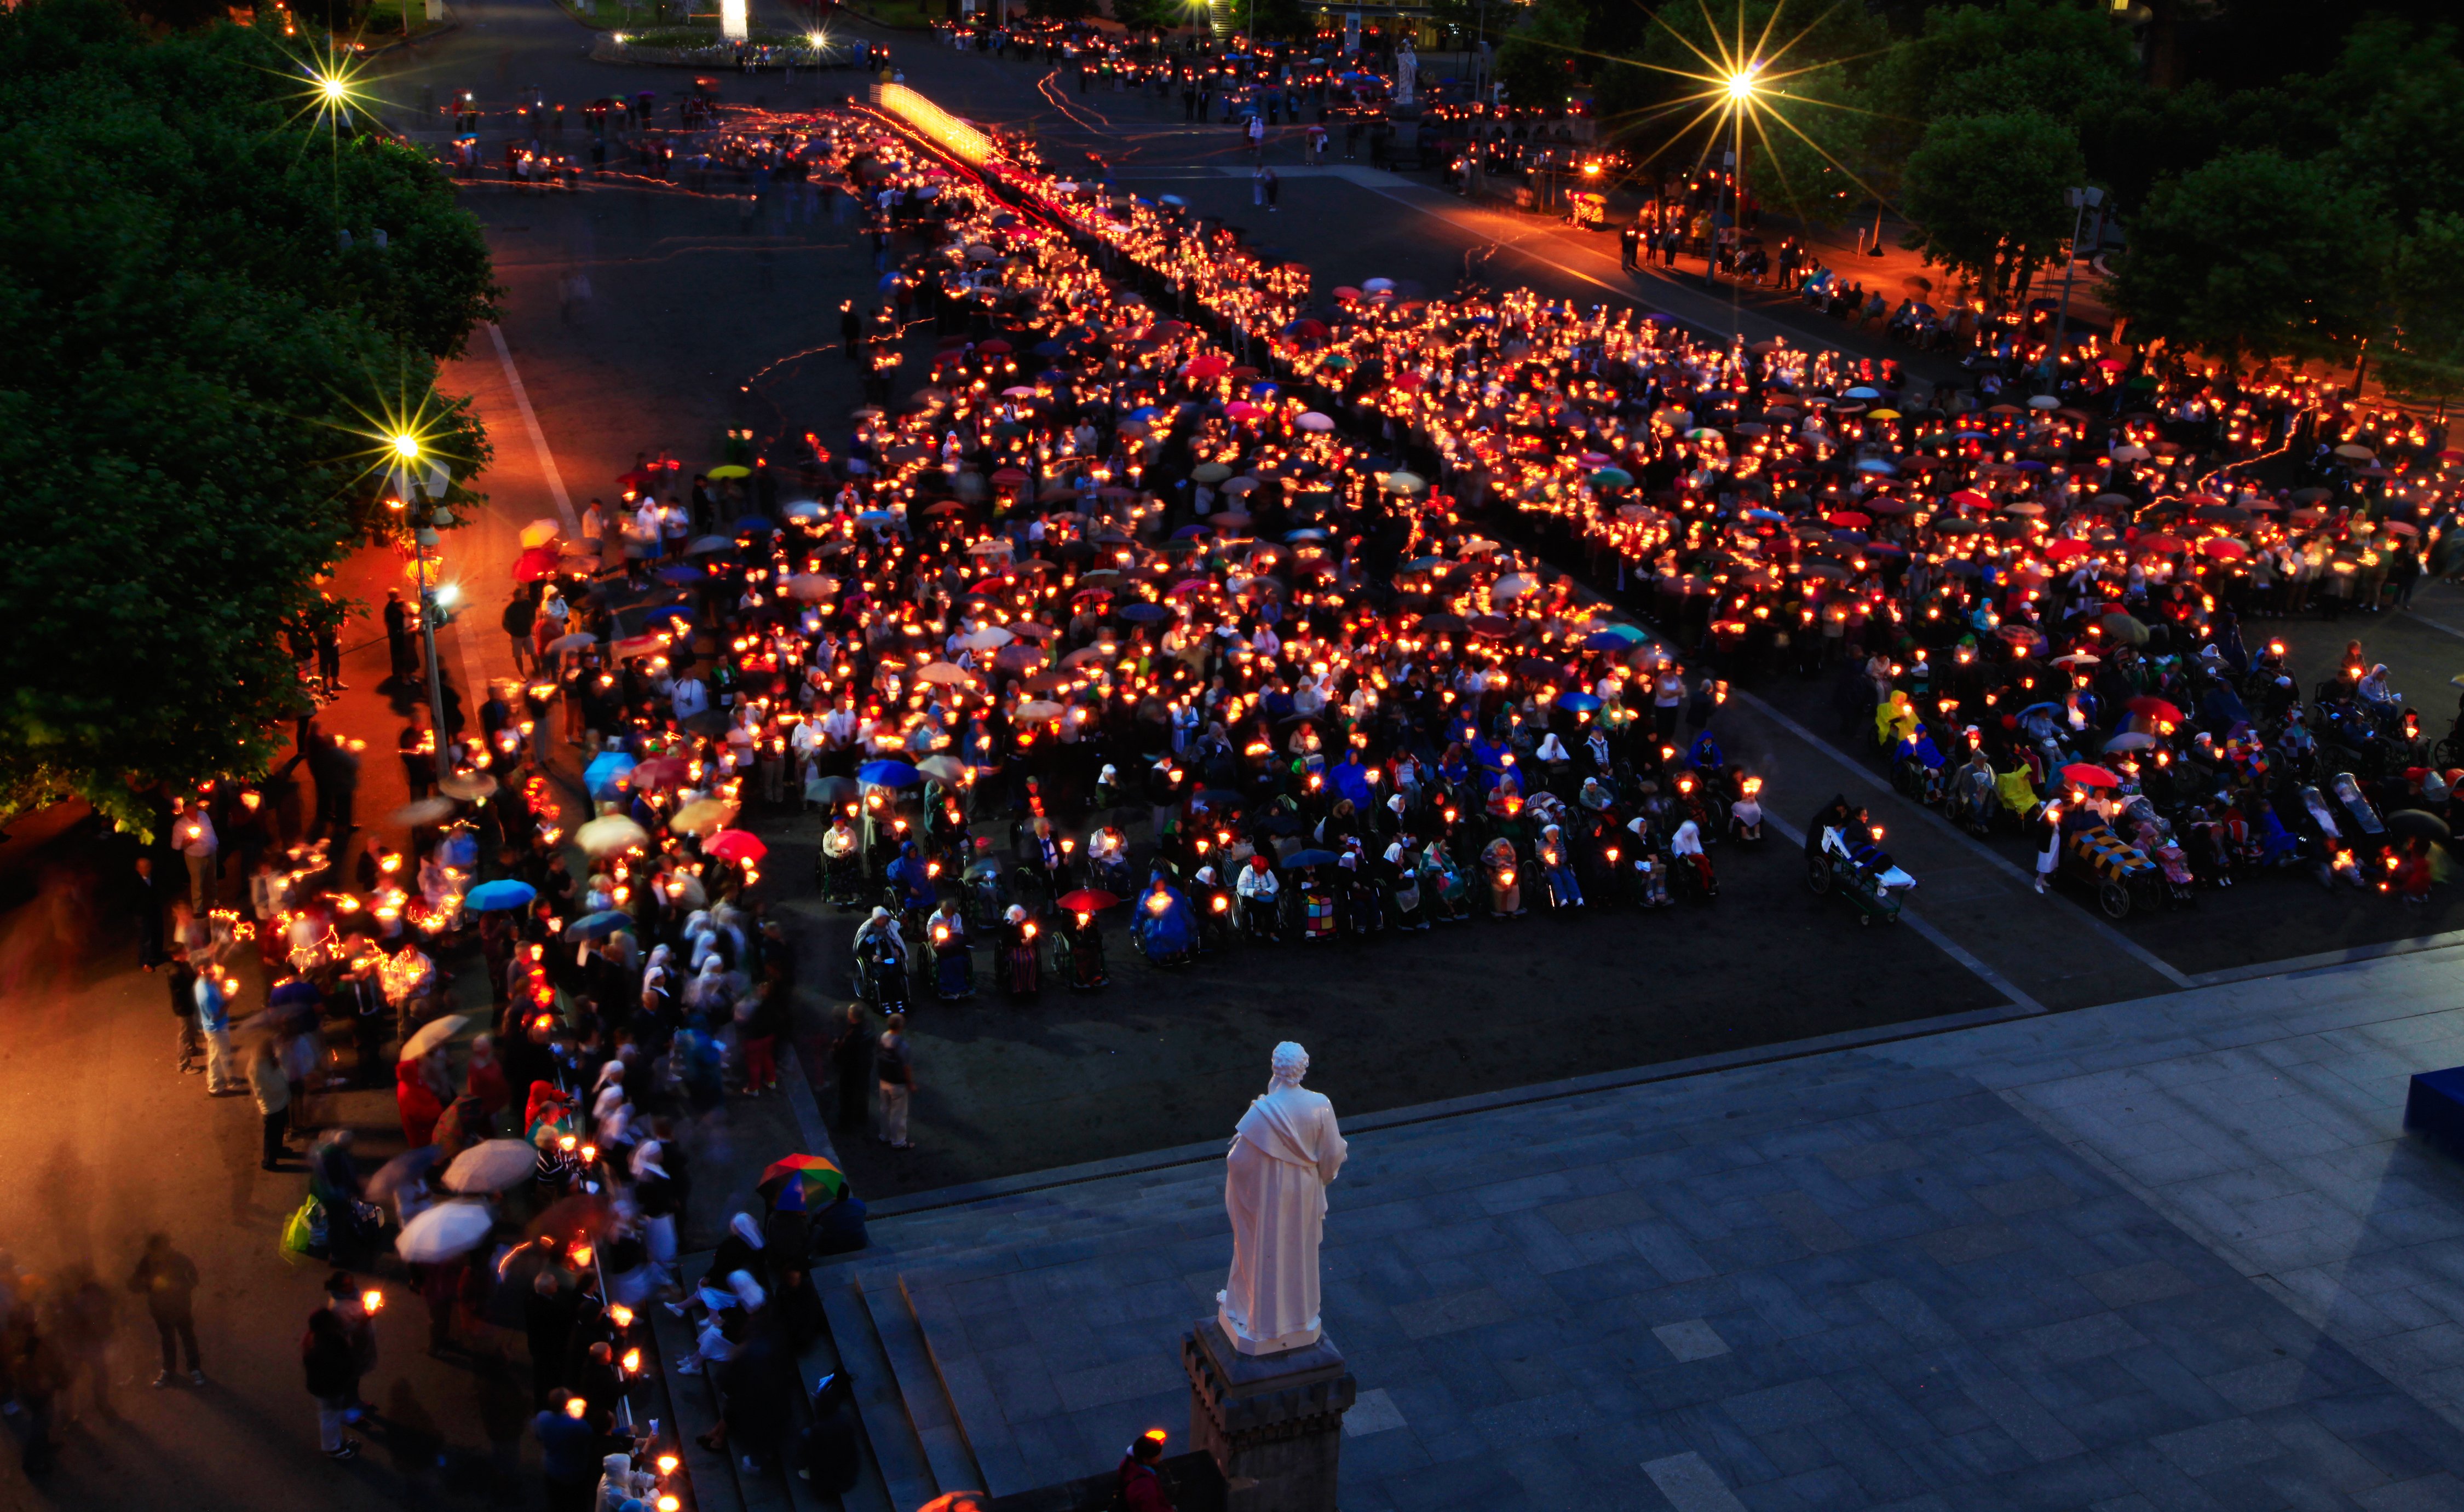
x=1080, y=950
x=1213, y=903
x=1261, y=895
x=910, y=880
x=1017, y=960
x=1444, y=892
x=1163, y=923
x=881, y=962
x=1557, y=869
x=1108, y=861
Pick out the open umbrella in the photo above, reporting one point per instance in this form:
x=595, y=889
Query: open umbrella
x=830, y=790
x=612, y=835
x=739, y=846
x=505, y=893
x=421, y=811
x=2156, y=709
x=701, y=816
x=944, y=769
x=1310, y=857
x=889, y=773
x=599, y=924
x=2131, y=740
x=447, y=1230
x=607, y=771
x=493, y=1165
x=540, y=532
x=2086, y=775
x=1087, y=900
x=801, y=1183
x=402, y=1171
x=578, y=641
x=2417, y=824
x=468, y=786
x=428, y=1036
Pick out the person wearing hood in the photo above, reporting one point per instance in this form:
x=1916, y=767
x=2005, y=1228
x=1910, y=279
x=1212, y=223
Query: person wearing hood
x=619, y=1483
x=417, y=1102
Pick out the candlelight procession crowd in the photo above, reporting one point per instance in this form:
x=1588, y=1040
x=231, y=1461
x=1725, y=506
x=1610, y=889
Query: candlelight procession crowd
x=1178, y=611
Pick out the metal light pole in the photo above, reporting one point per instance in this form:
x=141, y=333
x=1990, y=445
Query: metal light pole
x=2082, y=201
x=422, y=535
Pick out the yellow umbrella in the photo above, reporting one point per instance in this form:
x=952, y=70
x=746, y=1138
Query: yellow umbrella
x=610, y=835
x=539, y=531
x=730, y=471
x=702, y=816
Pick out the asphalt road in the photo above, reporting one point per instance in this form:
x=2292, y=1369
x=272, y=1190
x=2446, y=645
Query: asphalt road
x=697, y=320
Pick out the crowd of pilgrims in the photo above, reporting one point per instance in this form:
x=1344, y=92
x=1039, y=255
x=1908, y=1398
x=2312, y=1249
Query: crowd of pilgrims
x=1162, y=546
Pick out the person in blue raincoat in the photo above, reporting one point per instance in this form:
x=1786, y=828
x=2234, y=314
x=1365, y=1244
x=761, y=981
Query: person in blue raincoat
x=1350, y=780
x=912, y=875
x=1163, y=923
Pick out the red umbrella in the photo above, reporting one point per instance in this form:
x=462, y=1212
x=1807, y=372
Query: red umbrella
x=1209, y=366
x=734, y=844
x=2223, y=548
x=1087, y=900
x=660, y=772
x=995, y=348
x=538, y=562
x=2155, y=708
x=1850, y=520
x=2162, y=545
x=2086, y=775
x=2067, y=550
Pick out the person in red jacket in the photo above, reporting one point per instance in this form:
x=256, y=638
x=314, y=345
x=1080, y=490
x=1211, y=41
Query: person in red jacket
x=419, y=1102
x=1141, y=1484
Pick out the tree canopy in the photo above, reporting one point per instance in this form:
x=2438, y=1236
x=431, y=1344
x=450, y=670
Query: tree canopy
x=207, y=345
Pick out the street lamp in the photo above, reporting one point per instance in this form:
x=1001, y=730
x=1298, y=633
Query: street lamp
x=423, y=519
x=2082, y=201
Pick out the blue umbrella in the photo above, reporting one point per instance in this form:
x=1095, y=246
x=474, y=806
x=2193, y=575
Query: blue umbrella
x=1145, y=412
x=2051, y=709
x=1311, y=858
x=599, y=924
x=505, y=893
x=606, y=770
x=753, y=525
x=1769, y=515
x=681, y=576
x=304, y=993
x=889, y=773
x=1305, y=533
x=1145, y=612
x=1577, y=703
x=876, y=516
x=1605, y=641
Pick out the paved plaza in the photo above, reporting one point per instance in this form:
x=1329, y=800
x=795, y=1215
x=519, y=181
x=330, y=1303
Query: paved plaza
x=2165, y=1254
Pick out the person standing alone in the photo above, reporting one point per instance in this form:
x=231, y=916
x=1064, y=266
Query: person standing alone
x=167, y=1280
x=895, y=1067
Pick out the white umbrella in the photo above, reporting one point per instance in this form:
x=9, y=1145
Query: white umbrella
x=1513, y=585
x=443, y=1232
x=949, y=673
x=431, y=1034
x=494, y=1165
x=1313, y=421
x=811, y=587
x=612, y=835
x=421, y=811
x=988, y=638
x=578, y=641
x=468, y=785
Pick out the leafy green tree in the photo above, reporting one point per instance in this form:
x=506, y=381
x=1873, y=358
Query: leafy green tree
x=2398, y=96
x=2057, y=58
x=1537, y=62
x=1989, y=194
x=200, y=375
x=2423, y=355
x=2254, y=256
x=1150, y=15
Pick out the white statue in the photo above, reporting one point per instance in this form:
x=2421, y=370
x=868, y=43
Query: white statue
x=1283, y=1155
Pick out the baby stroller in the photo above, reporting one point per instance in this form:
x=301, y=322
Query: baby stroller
x=2154, y=837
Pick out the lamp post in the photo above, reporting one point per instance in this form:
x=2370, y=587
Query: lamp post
x=425, y=517
x=2082, y=201
x=1741, y=93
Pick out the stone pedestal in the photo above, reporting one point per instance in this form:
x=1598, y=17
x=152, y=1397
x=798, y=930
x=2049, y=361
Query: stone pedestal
x=1273, y=1423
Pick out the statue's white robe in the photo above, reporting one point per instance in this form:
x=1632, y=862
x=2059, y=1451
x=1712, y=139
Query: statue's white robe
x=1285, y=1152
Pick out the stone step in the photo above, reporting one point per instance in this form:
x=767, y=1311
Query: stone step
x=921, y=1395
x=821, y=1358
x=695, y=1405
x=897, y=1458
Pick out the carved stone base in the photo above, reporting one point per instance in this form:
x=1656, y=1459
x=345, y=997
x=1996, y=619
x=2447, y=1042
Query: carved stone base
x=1272, y=1422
